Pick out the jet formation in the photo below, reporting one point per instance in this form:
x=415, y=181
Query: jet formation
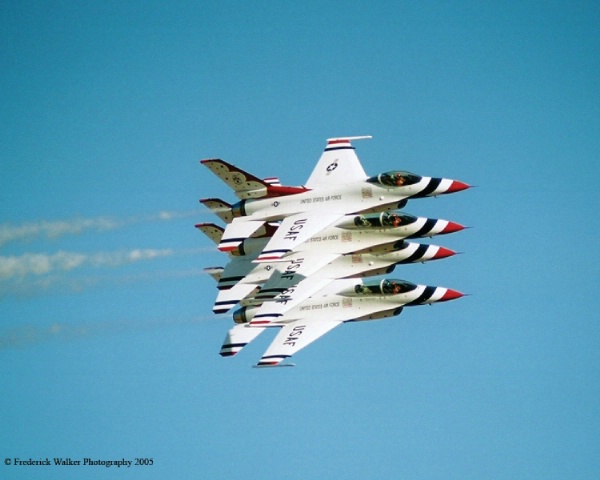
x=306, y=259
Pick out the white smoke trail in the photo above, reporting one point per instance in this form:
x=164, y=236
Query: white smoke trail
x=38, y=264
x=28, y=231
x=50, y=230
x=54, y=273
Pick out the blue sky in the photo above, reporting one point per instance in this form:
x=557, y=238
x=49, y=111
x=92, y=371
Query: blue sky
x=108, y=346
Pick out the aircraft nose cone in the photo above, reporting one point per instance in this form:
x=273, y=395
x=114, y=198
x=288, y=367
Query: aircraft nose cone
x=453, y=227
x=457, y=186
x=444, y=252
x=451, y=295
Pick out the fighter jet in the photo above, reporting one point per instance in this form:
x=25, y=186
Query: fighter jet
x=357, y=246
x=359, y=232
x=337, y=186
x=343, y=301
x=303, y=258
x=303, y=277
x=287, y=287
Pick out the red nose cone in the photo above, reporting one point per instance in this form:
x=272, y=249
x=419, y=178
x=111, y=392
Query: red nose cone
x=450, y=295
x=453, y=227
x=444, y=252
x=457, y=186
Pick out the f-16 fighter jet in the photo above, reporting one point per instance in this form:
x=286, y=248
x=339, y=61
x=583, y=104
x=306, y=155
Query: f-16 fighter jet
x=345, y=300
x=337, y=186
x=289, y=284
x=358, y=246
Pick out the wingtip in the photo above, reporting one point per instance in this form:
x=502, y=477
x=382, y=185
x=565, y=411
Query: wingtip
x=227, y=354
x=348, y=139
x=273, y=365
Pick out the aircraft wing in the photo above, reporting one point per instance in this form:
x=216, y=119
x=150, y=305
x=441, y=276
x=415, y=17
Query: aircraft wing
x=288, y=276
x=238, y=270
x=288, y=287
x=227, y=299
x=289, y=298
x=293, y=337
x=293, y=231
x=237, y=338
x=338, y=164
x=237, y=231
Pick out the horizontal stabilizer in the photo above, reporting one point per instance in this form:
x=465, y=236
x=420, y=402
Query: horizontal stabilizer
x=215, y=272
x=219, y=207
x=212, y=231
x=244, y=184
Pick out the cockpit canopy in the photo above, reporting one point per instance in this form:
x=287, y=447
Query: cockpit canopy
x=384, y=220
x=395, y=179
x=387, y=286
